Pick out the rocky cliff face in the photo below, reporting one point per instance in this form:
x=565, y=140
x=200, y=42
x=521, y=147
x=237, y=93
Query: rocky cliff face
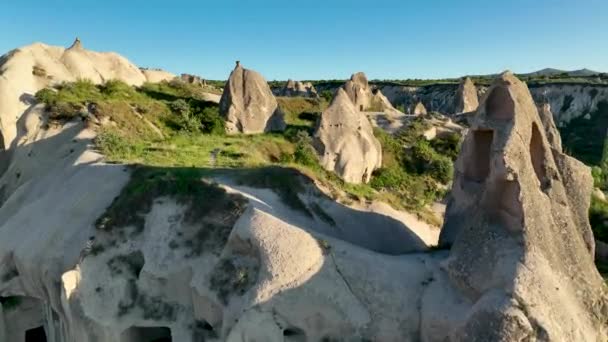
x=567, y=101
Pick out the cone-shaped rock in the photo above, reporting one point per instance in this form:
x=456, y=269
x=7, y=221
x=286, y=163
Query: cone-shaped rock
x=419, y=109
x=248, y=104
x=358, y=90
x=522, y=248
x=466, y=97
x=345, y=141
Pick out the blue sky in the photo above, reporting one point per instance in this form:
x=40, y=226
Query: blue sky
x=310, y=39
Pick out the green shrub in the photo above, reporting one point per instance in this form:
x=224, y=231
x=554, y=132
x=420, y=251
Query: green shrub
x=328, y=95
x=598, y=217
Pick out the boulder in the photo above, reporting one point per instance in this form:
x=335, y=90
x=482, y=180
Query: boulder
x=297, y=88
x=466, y=97
x=248, y=104
x=521, y=244
x=345, y=141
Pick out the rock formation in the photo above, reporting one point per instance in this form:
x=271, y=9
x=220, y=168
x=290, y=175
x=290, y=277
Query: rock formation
x=87, y=257
x=418, y=109
x=345, y=141
x=51, y=64
x=522, y=248
x=248, y=104
x=298, y=88
x=546, y=117
x=157, y=75
x=358, y=90
x=466, y=96
x=193, y=79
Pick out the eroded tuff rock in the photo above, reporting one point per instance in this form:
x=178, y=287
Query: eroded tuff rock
x=466, y=96
x=365, y=98
x=28, y=69
x=345, y=141
x=522, y=248
x=298, y=88
x=248, y=104
x=418, y=109
x=546, y=117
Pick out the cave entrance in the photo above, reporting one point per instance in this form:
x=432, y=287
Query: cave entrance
x=35, y=335
x=146, y=334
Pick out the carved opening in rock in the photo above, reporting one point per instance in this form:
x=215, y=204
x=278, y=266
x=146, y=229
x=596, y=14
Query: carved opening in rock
x=361, y=108
x=500, y=105
x=293, y=334
x=146, y=334
x=537, y=154
x=35, y=335
x=477, y=165
x=203, y=331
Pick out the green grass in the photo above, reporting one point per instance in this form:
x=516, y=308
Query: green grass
x=190, y=136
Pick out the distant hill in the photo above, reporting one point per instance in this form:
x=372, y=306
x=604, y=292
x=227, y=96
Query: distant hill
x=554, y=72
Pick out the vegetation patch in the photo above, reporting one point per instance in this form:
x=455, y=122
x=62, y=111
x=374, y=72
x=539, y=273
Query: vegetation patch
x=233, y=276
x=210, y=210
x=10, y=303
x=130, y=265
x=585, y=139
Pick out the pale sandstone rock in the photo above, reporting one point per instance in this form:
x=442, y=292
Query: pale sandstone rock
x=418, y=109
x=345, y=141
x=298, y=88
x=522, y=248
x=26, y=70
x=248, y=104
x=546, y=117
x=466, y=96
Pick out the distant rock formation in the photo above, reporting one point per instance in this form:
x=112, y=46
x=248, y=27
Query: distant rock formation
x=466, y=96
x=522, y=248
x=248, y=104
x=193, y=79
x=157, y=75
x=345, y=141
x=418, y=109
x=297, y=88
x=358, y=90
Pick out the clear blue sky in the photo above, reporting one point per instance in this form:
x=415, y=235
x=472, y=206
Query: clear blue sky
x=311, y=39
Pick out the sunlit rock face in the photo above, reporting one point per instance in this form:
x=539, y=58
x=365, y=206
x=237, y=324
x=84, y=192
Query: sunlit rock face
x=248, y=105
x=345, y=141
x=521, y=245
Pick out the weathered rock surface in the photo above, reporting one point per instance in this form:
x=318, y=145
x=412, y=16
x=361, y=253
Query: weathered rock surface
x=26, y=70
x=358, y=90
x=466, y=96
x=248, y=104
x=345, y=141
x=193, y=79
x=418, y=109
x=522, y=248
x=298, y=88
x=546, y=117
x=157, y=75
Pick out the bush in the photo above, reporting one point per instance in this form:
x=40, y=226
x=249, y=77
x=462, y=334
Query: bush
x=328, y=95
x=304, y=153
x=598, y=217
